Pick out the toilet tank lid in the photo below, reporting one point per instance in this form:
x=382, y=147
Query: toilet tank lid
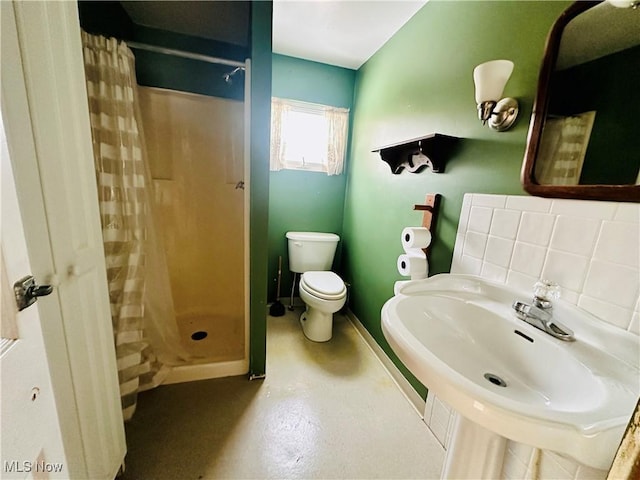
x=313, y=236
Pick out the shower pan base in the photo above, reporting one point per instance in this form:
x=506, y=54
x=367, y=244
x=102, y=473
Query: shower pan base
x=205, y=371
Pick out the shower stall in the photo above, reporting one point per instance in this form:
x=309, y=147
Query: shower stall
x=196, y=162
x=198, y=167
x=172, y=172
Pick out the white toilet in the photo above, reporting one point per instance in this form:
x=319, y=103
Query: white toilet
x=322, y=291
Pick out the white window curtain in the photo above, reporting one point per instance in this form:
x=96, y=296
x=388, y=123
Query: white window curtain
x=337, y=121
x=279, y=109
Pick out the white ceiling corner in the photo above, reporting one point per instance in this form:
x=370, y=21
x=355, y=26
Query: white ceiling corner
x=345, y=33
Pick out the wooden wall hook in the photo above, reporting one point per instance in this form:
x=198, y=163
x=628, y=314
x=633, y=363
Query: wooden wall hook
x=429, y=216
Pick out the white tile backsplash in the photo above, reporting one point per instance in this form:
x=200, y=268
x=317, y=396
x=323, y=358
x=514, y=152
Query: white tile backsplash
x=499, y=251
x=528, y=259
x=513, y=467
x=575, y=234
x=613, y=283
x=619, y=242
x=471, y=265
x=438, y=416
x=592, y=249
x=441, y=418
x=586, y=473
x=504, y=223
x=627, y=212
x=485, y=200
x=566, y=269
x=536, y=228
x=521, y=281
x=529, y=204
x=558, y=468
x=634, y=326
x=520, y=452
x=584, y=208
x=475, y=244
x=480, y=219
x=494, y=272
x=608, y=312
x=464, y=216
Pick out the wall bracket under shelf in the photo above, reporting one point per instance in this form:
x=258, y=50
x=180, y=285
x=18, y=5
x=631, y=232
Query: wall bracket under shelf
x=413, y=155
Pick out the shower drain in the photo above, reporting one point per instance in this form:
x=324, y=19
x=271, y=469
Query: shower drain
x=495, y=379
x=199, y=335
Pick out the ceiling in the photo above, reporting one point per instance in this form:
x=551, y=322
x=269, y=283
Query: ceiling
x=345, y=33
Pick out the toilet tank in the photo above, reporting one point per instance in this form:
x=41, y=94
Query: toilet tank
x=311, y=250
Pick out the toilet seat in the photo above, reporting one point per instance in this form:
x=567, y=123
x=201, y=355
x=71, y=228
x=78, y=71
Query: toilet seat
x=324, y=285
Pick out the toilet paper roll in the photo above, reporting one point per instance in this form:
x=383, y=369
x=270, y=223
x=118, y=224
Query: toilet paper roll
x=413, y=265
x=415, y=238
x=414, y=252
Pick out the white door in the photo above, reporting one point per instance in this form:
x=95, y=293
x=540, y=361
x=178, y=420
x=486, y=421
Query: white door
x=31, y=439
x=44, y=107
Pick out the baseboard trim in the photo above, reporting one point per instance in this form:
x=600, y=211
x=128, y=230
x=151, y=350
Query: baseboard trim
x=403, y=384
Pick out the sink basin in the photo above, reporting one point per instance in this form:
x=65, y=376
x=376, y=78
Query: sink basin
x=460, y=337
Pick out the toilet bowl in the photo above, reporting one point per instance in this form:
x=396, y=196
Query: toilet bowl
x=323, y=293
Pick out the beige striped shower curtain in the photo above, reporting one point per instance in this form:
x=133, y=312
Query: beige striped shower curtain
x=118, y=148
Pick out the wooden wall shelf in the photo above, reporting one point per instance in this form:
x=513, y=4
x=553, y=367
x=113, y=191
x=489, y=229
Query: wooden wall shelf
x=413, y=155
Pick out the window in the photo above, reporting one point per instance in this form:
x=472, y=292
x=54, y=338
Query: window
x=308, y=136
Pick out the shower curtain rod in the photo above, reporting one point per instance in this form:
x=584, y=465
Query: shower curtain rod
x=180, y=53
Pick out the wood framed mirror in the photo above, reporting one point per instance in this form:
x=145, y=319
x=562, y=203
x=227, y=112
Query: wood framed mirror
x=584, y=135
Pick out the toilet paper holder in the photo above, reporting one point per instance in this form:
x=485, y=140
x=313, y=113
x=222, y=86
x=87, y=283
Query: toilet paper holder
x=429, y=215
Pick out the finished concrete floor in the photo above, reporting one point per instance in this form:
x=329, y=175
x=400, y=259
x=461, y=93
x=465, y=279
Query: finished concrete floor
x=325, y=411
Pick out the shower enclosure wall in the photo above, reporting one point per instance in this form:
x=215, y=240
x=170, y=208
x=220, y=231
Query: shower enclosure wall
x=198, y=157
x=199, y=173
x=195, y=146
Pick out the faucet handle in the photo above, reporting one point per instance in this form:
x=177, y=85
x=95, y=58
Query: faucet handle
x=544, y=292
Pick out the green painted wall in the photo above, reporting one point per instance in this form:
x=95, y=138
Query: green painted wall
x=421, y=82
x=261, y=21
x=109, y=18
x=307, y=201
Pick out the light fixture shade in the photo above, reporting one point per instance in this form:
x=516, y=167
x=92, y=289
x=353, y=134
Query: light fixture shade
x=490, y=79
x=624, y=3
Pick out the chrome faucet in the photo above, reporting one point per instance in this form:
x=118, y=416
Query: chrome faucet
x=540, y=312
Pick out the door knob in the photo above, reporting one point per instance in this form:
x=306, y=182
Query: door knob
x=27, y=291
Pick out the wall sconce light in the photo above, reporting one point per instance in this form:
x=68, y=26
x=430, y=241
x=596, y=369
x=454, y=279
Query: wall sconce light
x=490, y=79
x=625, y=3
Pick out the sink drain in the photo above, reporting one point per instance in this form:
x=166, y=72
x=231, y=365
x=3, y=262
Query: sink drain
x=495, y=379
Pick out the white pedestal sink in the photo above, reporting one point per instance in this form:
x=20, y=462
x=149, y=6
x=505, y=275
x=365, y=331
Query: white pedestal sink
x=474, y=452
x=460, y=337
